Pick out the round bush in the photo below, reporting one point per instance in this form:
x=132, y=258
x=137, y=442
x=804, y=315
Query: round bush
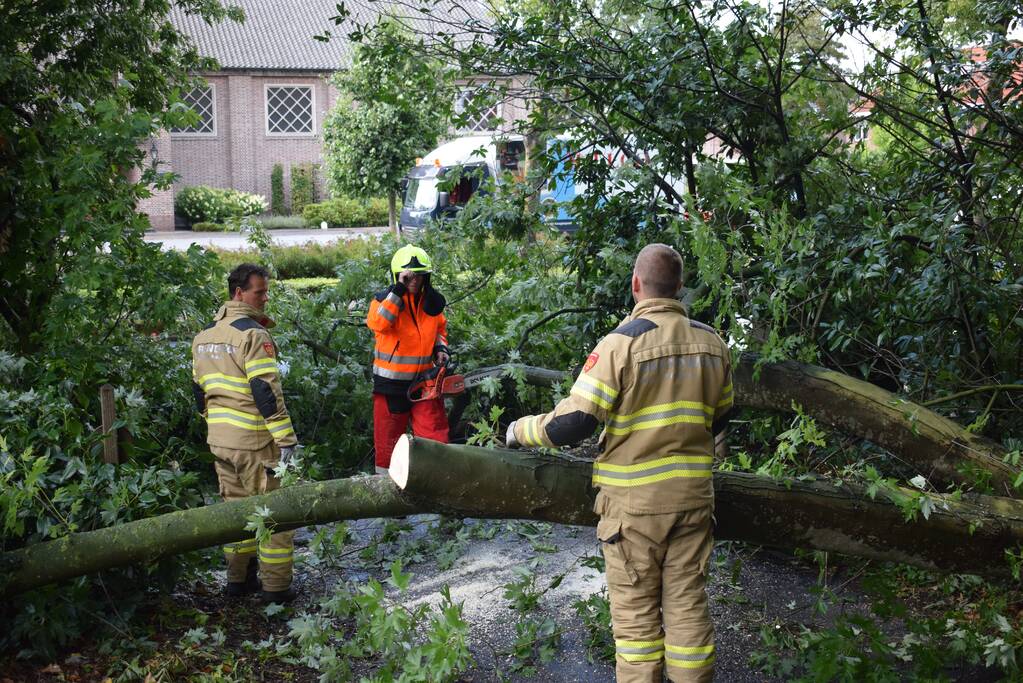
x=201, y=204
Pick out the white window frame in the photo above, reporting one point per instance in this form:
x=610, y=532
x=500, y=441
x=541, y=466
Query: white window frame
x=200, y=134
x=499, y=109
x=266, y=110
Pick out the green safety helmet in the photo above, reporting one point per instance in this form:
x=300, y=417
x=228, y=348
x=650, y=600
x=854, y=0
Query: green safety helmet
x=411, y=258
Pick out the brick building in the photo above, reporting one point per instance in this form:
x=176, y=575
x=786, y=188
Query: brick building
x=267, y=103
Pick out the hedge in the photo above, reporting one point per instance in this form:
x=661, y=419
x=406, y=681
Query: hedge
x=342, y=212
x=277, y=191
x=201, y=204
x=303, y=188
x=304, y=261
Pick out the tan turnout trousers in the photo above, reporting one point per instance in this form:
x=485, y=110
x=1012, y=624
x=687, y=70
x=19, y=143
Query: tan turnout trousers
x=249, y=473
x=656, y=577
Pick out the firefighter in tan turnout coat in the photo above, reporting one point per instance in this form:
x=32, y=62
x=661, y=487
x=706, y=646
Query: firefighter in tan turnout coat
x=661, y=385
x=237, y=388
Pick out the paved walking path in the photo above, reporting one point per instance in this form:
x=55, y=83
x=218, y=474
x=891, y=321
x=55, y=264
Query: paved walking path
x=183, y=239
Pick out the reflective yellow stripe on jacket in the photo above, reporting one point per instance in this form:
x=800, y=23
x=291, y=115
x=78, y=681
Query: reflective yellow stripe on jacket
x=260, y=366
x=652, y=471
x=661, y=415
x=218, y=380
x=250, y=421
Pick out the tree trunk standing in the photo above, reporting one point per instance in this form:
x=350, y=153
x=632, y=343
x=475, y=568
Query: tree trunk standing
x=970, y=536
x=392, y=213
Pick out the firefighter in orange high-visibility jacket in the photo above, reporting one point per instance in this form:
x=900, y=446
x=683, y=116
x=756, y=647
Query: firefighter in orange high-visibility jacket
x=661, y=385
x=237, y=387
x=411, y=336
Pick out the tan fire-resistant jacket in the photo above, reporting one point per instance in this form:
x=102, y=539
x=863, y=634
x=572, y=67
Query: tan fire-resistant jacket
x=662, y=386
x=236, y=382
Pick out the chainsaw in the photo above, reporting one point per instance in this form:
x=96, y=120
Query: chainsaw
x=438, y=381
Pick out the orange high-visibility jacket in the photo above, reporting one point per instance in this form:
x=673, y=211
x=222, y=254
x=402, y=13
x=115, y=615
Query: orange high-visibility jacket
x=409, y=331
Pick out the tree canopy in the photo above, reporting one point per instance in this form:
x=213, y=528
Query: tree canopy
x=392, y=107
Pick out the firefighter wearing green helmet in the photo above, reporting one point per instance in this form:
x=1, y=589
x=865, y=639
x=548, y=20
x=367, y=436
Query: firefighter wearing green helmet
x=410, y=333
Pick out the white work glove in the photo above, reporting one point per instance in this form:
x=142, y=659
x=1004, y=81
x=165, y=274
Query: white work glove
x=289, y=454
x=509, y=437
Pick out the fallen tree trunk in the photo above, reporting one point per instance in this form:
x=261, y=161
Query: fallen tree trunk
x=935, y=446
x=971, y=535
x=968, y=536
x=147, y=540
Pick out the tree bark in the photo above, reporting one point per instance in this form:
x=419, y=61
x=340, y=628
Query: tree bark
x=971, y=536
x=935, y=446
x=147, y=540
x=392, y=213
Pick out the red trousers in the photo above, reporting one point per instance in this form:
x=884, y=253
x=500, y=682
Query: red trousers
x=391, y=417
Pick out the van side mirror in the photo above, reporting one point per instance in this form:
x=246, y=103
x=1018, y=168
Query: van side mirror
x=443, y=200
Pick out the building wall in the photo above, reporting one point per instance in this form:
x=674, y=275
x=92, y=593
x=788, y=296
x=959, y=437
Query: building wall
x=160, y=206
x=241, y=154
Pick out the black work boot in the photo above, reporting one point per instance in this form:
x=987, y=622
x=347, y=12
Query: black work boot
x=278, y=597
x=250, y=585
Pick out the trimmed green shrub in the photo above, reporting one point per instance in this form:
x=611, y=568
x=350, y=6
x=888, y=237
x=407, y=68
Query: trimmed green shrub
x=213, y=204
x=305, y=261
x=207, y=227
x=277, y=191
x=303, y=188
x=310, y=284
x=277, y=222
x=342, y=212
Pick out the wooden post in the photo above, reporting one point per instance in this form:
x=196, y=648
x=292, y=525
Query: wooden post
x=109, y=413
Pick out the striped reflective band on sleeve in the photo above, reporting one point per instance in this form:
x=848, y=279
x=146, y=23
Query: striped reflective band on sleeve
x=394, y=374
x=241, y=547
x=726, y=397
x=260, y=366
x=394, y=300
x=531, y=431
x=275, y=555
x=218, y=380
x=640, y=650
x=279, y=428
x=386, y=314
x=402, y=360
x=441, y=339
x=653, y=471
x=235, y=418
x=689, y=657
x=690, y=412
x=594, y=391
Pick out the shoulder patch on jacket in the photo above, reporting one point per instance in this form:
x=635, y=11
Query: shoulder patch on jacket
x=636, y=327
x=434, y=302
x=246, y=323
x=382, y=294
x=210, y=325
x=701, y=326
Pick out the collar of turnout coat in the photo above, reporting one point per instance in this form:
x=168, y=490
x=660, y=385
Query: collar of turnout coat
x=238, y=309
x=658, y=306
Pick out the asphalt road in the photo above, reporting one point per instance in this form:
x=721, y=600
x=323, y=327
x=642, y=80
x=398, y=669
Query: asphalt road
x=183, y=239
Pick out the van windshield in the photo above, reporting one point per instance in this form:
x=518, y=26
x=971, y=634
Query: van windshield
x=421, y=193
